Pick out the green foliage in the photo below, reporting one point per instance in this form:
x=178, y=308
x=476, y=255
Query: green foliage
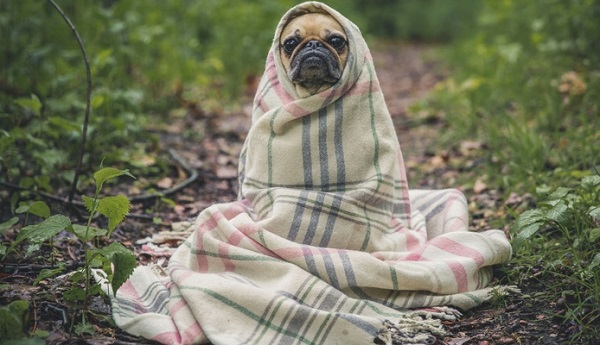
x=563, y=235
x=526, y=83
x=115, y=260
x=414, y=20
x=574, y=212
x=148, y=57
x=14, y=318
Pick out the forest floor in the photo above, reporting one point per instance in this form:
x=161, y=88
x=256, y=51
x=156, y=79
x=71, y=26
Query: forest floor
x=209, y=143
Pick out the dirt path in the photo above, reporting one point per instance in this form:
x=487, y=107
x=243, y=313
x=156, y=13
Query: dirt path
x=210, y=144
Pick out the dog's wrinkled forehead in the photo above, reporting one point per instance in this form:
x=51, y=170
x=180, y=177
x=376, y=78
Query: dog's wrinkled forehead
x=320, y=24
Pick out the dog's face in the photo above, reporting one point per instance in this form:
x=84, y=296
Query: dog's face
x=313, y=50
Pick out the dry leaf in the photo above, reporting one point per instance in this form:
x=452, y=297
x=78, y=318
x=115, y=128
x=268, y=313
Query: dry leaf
x=165, y=183
x=479, y=187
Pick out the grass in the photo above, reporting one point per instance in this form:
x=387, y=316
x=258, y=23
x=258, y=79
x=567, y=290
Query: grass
x=532, y=103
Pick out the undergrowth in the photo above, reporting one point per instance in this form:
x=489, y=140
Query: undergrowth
x=526, y=84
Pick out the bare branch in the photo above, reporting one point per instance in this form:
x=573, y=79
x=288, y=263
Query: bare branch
x=87, y=103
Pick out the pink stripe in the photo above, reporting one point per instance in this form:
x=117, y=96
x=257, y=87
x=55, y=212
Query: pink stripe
x=412, y=241
x=223, y=250
x=192, y=333
x=251, y=229
x=189, y=336
x=284, y=97
x=209, y=225
x=460, y=275
x=457, y=268
x=458, y=249
x=127, y=289
x=414, y=256
x=168, y=338
x=182, y=272
x=295, y=110
x=364, y=87
x=175, y=308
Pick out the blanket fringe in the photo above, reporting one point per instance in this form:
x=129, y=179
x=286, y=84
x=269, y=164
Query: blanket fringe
x=417, y=327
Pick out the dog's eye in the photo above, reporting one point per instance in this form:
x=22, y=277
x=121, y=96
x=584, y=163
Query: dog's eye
x=337, y=42
x=290, y=44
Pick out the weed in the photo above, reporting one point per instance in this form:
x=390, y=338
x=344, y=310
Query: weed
x=115, y=260
x=567, y=227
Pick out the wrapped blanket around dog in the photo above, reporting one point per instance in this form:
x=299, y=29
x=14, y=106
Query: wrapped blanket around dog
x=326, y=245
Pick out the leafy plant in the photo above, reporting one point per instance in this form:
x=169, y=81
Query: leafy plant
x=13, y=319
x=115, y=260
x=13, y=322
x=521, y=84
x=565, y=230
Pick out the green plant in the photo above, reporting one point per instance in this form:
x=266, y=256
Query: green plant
x=521, y=85
x=115, y=260
x=14, y=318
x=563, y=235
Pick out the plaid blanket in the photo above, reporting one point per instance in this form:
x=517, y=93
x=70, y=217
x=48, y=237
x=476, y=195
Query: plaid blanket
x=327, y=244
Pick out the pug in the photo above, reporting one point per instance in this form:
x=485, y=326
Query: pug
x=314, y=49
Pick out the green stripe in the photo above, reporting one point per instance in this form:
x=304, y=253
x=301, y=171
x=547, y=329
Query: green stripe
x=270, y=147
x=378, y=310
x=294, y=199
x=270, y=321
x=309, y=289
x=356, y=217
x=368, y=232
x=394, y=276
x=342, y=186
x=373, y=129
x=259, y=257
x=246, y=312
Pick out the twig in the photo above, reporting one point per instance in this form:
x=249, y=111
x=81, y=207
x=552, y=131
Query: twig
x=35, y=316
x=193, y=176
x=17, y=268
x=87, y=103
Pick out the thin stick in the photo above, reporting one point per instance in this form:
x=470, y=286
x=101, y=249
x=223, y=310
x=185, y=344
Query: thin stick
x=87, y=104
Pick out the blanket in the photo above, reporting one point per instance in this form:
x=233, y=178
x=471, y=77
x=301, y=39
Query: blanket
x=326, y=244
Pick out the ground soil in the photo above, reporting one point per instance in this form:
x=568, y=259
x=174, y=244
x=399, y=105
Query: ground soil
x=208, y=142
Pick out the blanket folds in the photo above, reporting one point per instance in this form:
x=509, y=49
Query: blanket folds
x=327, y=244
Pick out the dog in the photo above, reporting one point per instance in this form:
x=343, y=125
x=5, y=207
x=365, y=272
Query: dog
x=314, y=49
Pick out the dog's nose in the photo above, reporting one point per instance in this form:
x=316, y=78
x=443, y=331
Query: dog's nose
x=314, y=44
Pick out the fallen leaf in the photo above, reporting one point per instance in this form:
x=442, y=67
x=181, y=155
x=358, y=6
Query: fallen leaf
x=479, y=187
x=468, y=146
x=437, y=162
x=458, y=341
x=165, y=183
x=513, y=199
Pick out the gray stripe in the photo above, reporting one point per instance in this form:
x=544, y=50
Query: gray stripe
x=323, y=157
x=259, y=330
x=338, y=142
x=314, y=219
x=329, y=226
x=351, y=278
x=335, y=314
x=319, y=310
x=330, y=268
x=297, y=221
x=306, y=160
